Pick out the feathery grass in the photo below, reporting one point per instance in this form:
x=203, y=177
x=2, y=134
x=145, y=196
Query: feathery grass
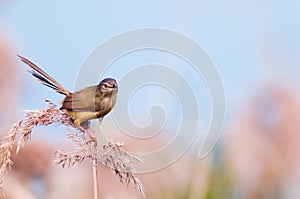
x=111, y=154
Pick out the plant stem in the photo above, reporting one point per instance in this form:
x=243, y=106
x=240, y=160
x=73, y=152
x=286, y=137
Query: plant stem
x=95, y=178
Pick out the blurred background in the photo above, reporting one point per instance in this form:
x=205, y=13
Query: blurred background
x=255, y=46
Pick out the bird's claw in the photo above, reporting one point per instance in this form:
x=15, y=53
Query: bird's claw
x=91, y=136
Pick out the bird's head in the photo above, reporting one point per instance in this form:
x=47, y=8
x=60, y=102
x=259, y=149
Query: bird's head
x=108, y=86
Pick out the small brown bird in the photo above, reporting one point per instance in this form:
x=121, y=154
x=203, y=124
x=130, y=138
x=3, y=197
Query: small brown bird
x=81, y=106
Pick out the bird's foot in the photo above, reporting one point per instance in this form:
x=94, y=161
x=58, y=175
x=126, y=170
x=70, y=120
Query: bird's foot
x=100, y=120
x=91, y=135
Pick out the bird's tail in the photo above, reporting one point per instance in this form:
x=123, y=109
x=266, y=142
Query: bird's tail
x=44, y=78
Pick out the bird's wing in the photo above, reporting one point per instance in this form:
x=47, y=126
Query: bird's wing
x=82, y=100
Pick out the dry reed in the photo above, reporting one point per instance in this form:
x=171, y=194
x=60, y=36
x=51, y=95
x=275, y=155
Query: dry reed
x=111, y=154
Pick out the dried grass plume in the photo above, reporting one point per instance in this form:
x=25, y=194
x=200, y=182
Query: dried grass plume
x=111, y=154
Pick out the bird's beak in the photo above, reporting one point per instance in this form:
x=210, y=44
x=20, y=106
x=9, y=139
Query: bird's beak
x=115, y=88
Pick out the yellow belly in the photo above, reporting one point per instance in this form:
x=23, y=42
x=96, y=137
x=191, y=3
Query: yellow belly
x=79, y=117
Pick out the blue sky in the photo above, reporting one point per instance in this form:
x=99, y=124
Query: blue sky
x=252, y=43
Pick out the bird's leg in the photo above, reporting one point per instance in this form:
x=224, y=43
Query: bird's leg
x=92, y=137
x=77, y=123
x=100, y=120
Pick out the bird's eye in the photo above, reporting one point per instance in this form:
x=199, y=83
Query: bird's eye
x=104, y=86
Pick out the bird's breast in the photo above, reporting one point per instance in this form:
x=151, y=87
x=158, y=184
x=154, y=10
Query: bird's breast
x=105, y=106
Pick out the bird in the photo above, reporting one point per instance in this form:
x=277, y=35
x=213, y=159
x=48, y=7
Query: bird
x=83, y=105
